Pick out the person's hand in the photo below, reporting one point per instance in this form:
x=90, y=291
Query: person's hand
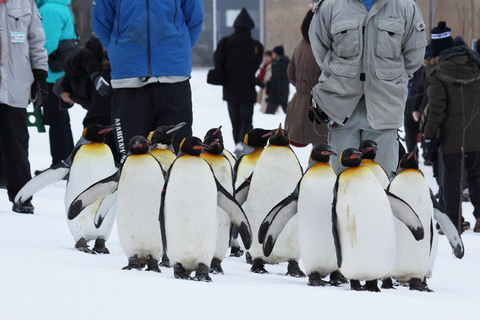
x=65, y=96
x=431, y=147
x=39, y=89
x=101, y=85
x=416, y=116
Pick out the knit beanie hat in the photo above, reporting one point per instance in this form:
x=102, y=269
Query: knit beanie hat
x=441, y=38
x=279, y=50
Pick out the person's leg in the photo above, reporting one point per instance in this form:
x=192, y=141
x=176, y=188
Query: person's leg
x=271, y=108
x=60, y=132
x=411, y=131
x=246, y=114
x=234, y=110
x=14, y=135
x=133, y=114
x=451, y=184
x=472, y=165
x=172, y=104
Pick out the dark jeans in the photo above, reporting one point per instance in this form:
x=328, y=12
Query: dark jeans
x=451, y=182
x=241, y=116
x=14, y=137
x=138, y=111
x=60, y=132
x=411, y=131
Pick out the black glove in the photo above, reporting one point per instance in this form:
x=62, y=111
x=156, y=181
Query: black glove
x=259, y=83
x=101, y=85
x=39, y=90
x=431, y=149
x=315, y=114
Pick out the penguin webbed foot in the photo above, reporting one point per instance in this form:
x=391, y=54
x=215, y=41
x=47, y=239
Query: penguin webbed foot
x=165, y=261
x=133, y=263
x=294, y=270
x=99, y=247
x=216, y=266
x=355, y=285
x=202, y=273
x=258, y=266
x=236, y=252
x=248, y=258
x=179, y=272
x=387, y=283
x=82, y=246
x=314, y=280
x=372, y=286
x=336, y=278
x=152, y=265
x=415, y=284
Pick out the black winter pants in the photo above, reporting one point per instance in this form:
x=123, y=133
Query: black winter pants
x=241, y=115
x=14, y=137
x=60, y=132
x=138, y=111
x=411, y=131
x=451, y=182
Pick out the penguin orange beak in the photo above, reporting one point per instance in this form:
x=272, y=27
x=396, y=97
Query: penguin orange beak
x=268, y=134
x=413, y=153
x=175, y=128
x=280, y=130
x=107, y=129
x=216, y=131
x=201, y=147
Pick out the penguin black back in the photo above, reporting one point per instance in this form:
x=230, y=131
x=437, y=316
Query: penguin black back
x=214, y=139
x=351, y=157
x=280, y=138
x=257, y=138
x=96, y=132
x=138, y=145
x=369, y=149
x=322, y=152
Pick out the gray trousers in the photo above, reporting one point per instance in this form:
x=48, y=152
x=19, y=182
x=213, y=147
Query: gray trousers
x=357, y=130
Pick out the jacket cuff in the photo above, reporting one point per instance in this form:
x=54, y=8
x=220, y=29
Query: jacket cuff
x=40, y=74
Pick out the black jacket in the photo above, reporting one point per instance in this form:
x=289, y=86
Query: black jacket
x=278, y=86
x=240, y=56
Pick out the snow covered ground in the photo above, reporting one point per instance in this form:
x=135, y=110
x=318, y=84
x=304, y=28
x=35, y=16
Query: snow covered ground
x=43, y=277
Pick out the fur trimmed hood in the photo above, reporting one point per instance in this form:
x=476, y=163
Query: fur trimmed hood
x=458, y=65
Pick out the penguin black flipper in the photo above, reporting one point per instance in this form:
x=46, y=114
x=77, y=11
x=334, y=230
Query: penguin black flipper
x=403, y=212
x=235, y=167
x=161, y=215
x=51, y=175
x=276, y=220
x=241, y=193
x=96, y=191
x=234, y=210
x=104, y=208
x=447, y=227
x=336, y=237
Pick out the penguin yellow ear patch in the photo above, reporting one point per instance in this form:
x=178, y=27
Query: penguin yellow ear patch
x=149, y=138
x=181, y=143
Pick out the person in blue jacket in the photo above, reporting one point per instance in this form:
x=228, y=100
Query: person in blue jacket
x=57, y=21
x=149, y=46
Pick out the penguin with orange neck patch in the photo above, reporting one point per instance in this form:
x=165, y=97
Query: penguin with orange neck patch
x=90, y=161
x=161, y=140
x=363, y=223
x=369, y=148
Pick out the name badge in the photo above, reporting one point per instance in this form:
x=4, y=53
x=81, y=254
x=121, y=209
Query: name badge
x=17, y=37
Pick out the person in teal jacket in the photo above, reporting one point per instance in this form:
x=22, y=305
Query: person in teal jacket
x=57, y=21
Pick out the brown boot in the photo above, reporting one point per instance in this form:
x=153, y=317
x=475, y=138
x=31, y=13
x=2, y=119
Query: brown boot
x=477, y=226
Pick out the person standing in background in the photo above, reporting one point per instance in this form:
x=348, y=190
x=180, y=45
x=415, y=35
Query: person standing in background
x=278, y=86
x=303, y=72
x=149, y=45
x=264, y=76
x=57, y=21
x=23, y=73
x=240, y=56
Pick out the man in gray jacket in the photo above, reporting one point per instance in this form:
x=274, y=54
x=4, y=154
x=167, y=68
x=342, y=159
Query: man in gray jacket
x=367, y=51
x=23, y=74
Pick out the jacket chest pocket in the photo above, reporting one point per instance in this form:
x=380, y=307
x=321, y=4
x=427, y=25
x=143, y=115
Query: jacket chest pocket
x=19, y=19
x=389, y=41
x=346, y=42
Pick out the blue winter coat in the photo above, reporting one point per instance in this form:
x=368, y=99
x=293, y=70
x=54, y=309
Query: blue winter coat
x=148, y=38
x=57, y=21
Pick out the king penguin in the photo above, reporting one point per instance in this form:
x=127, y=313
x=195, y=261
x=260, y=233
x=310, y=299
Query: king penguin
x=412, y=261
x=90, y=161
x=276, y=174
x=363, y=223
x=188, y=213
x=138, y=184
x=312, y=201
x=369, y=148
x=161, y=144
x=223, y=172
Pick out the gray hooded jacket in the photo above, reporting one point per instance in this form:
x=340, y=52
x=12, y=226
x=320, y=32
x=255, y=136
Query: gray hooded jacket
x=367, y=53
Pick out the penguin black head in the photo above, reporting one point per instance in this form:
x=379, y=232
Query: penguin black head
x=321, y=153
x=257, y=138
x=409, y=160
x=214, y=139
x=369, y=149
x=164, y=134
x=96, y=132
x=192, y=146
x=138, y=145
x=279, y=137
x=351, y=157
